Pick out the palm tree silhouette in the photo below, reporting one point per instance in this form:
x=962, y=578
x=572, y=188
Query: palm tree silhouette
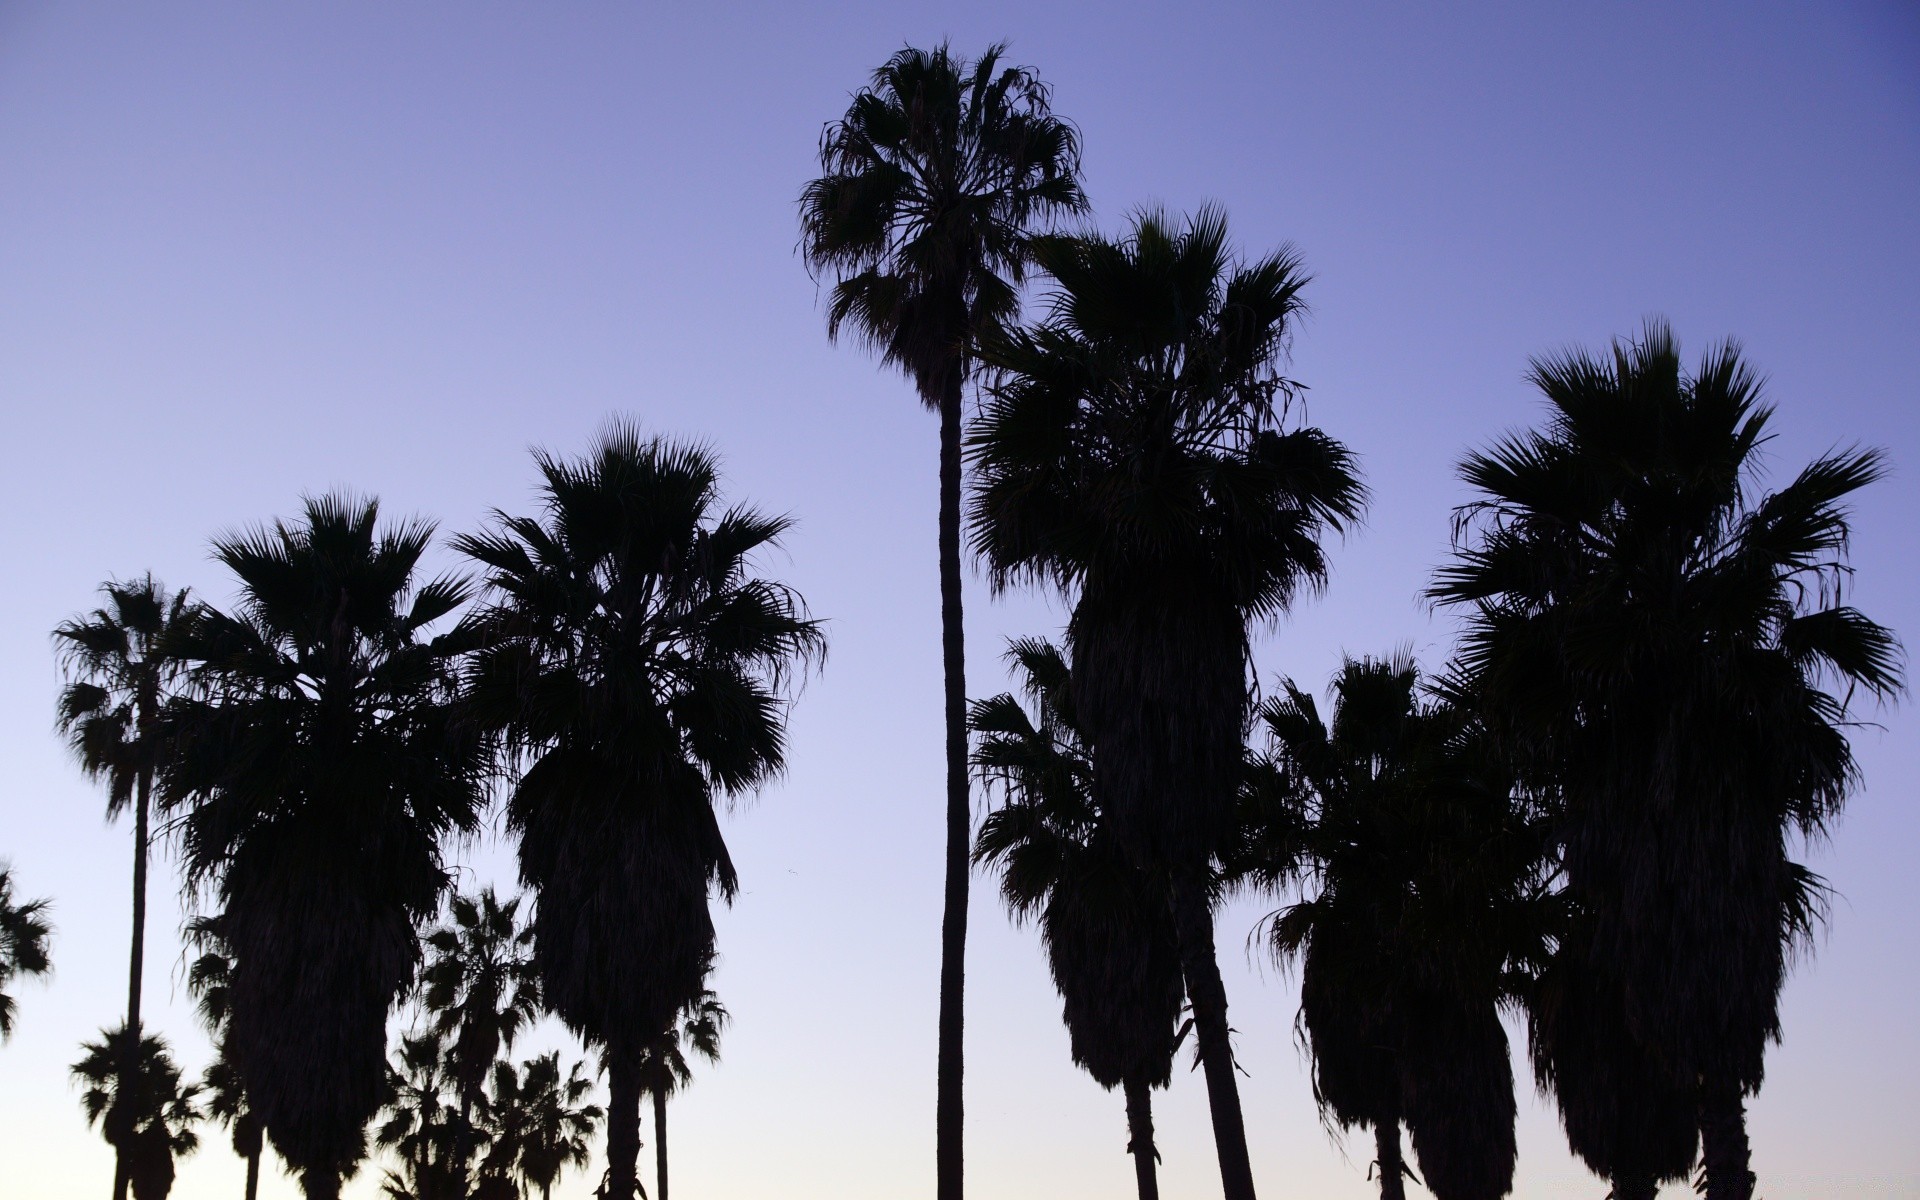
x=930, y=186
x=1130, y=454
x=133, y=1092
x=639, y=670
x=423, y=1122
x=539, y=1124
x=1106, y=927
x=210, y=983
x=1671, y=642
x=1428, y=915
x=121, y=670
x=319, y=772
x=479, y=987
x=24, y=932
x=666, y=1069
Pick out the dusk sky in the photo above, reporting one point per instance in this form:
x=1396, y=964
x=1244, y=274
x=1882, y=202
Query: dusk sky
x=250, y=252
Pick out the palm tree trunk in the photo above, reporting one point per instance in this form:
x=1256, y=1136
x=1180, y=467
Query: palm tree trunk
x=1193, y=922
x=253, y=1175
x=623, y=1126
x=1387, y=1159
x=949, y=1121
x=142, y=796
x=660, y=1144
x=1724, y=1154
x=1140, y=1138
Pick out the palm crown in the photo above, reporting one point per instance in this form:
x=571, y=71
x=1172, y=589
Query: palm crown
x=23, y=944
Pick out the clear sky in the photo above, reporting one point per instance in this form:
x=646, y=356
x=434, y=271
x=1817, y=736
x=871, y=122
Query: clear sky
x=251, y=250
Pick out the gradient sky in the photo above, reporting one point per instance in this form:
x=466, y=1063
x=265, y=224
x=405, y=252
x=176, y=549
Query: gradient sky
x=249, y=251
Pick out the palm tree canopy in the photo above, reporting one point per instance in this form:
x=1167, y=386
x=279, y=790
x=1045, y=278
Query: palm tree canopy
x=539, y=1121
x=1131, y=451
x=121, y=666
x=129, y=1088
x=1106, y=926
x=641, y=669
x=667, y=1068
x=24, y=933
x=1666, y=645
x=928, y=188
x=320, y=764
x=479, y=984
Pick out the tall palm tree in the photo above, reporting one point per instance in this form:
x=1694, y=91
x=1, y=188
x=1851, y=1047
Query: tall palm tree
x=1428, y=913
x=1107, y=929
x=930, y=187
x=23, y=944
x=147, y=1114
x=541, y=1125
x=210, y=983
x=1131, y=455
x=480, y=988
x=319, y=767
x=1669, y=643
x=666, y=1070
x=120, y=672
x=640, y=672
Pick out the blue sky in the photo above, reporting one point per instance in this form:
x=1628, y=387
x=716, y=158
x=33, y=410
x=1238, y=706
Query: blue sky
x=252, y=251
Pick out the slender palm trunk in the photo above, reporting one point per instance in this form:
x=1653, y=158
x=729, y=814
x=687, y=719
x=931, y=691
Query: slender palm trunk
x=1724, y=1154
x=949, y=1119
x=142, y=797
x=660, y=1144
x=1140, y=1138
x=623, y=1126
x=1388, y=1161
x=1193, y=922
x=253, y=1175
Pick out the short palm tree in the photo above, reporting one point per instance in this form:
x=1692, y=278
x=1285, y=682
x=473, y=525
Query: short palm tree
x=1107, y=929
x=639, y=671
x=1667, y=645
x=479, y=988
x=930, y=187
x=1131, y=454
x=121, y=670
x=540, y=1122
x=318, y=768
x=146, y=1113
x=667, y=1069
x=210, y=983
x=24, y=932
x=421, y=1122
x=1428, y=915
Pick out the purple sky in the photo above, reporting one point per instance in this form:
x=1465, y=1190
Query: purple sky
x=247, y=252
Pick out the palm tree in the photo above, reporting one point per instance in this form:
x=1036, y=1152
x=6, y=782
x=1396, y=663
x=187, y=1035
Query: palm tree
x=1668, y=645
x=423, y=1123
x=479, y=988
x=1428, y=913
x=210, y=983
x=539, y=1124
x=319, y=767
x=666, y=1070
x=23, y=944
x=1107, y=929
x=146, y=1113
x=930, y=187
x=1131, y=455
x=121, y=671
x=639, y=670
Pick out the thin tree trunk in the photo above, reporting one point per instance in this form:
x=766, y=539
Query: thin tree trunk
x=623, y=1127
x=1388, y=1161
x=253, y=1175
x=1140, y=1138
x=1193, y=919
x=660, y=1144
x=949, y=1120
x=143, y=789
x=1724, y=1154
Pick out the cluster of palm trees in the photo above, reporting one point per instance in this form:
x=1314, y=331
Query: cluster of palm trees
x=1585, y=817
x=618, y=670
